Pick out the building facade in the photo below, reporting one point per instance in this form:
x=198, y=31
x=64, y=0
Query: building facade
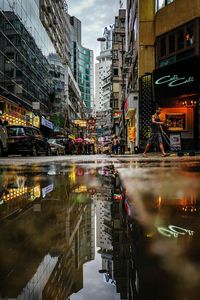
x=118, y=80
x=24, y=68
x=103, y=72
x=176, y=73
x=82, y=64
x=163, y=68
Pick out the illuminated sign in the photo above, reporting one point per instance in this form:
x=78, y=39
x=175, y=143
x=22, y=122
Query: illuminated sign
x=118, y=196
x=47, y=190
x=174, y=231
x=174, y=80
x=81, y=123
x=117, y=115
x=46, y=123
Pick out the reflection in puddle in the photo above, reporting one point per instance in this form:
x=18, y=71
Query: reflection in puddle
x=74, y=232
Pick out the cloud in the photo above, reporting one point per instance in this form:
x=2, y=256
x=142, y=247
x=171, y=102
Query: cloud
x=94, y=16
x=79, y=6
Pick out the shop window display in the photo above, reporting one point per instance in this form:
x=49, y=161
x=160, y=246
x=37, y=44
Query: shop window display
x=175, y=122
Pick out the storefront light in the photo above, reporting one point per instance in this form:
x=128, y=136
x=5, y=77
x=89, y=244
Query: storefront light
x=189, y=103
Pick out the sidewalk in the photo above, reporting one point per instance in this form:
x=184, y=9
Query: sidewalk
x=157, y=156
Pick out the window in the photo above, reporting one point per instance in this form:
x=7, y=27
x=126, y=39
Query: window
x=189, y=35
x=180, y=39
x=115, y=72
x=162, y=3
x=135, y=27
x=15, y=131
x=172, y=42
x=177, y=45
x=163, y=47
x=115, y=54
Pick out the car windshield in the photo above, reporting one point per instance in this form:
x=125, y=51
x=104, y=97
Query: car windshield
x=15, y=131
x=52, y=141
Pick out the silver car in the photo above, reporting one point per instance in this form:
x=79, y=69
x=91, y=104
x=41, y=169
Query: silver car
x=56, y=148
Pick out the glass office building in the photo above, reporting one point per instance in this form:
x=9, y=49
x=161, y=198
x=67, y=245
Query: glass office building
x=82, y=68
x=24, y=68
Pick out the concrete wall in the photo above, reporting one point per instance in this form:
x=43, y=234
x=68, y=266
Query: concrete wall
x=175, y=14
x=146, y=53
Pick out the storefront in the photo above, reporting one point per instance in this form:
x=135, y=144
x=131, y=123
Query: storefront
x=131, y=110
x=176, y=89
x=16, y=114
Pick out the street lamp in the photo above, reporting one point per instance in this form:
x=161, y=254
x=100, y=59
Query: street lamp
x=102, y=39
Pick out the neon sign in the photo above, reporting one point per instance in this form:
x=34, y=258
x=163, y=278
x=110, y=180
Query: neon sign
x=174, y=80
x=174, y=231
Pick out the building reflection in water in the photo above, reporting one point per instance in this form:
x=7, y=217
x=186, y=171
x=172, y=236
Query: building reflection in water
x=144, y=236
x=47, y=231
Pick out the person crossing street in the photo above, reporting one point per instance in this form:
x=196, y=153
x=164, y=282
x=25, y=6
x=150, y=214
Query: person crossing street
x=156, y=136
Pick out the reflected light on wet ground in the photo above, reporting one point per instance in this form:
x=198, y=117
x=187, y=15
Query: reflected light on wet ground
x=98, y=230
x=163, y=208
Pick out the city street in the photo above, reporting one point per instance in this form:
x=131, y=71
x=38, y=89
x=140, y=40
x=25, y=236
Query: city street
x=103, y=219
x=99, y=150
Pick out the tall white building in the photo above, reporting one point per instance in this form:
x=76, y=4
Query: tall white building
x=103, y=72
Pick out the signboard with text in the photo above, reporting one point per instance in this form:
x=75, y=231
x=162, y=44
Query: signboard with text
x=175, y=141
x=177, y=79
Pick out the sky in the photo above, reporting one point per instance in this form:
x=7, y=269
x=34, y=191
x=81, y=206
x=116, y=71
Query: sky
x=94, y=15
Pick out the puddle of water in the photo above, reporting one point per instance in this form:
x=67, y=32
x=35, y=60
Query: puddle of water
x=74, y=231
x=54, y=242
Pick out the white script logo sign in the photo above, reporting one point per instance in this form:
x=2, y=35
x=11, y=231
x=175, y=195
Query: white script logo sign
x=174, y=80
x=174, y=231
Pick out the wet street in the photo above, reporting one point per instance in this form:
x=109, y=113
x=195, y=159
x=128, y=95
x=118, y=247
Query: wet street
x=100, y=227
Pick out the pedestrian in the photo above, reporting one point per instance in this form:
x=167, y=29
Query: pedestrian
x=122, y=145
x=156, y=136
x=115, y=144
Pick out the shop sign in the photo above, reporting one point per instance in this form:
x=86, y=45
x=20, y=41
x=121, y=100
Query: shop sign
x=47, y=189
x=36, y=105
x=46, y=123
x=91, y=121
x=80, y=123
x=174, y=231
x=174, y=80
x=181, y=78
x=117, y=115
x=175, y=141
x=36, y=121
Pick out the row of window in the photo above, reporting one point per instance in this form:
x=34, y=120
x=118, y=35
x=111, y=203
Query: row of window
x=162, y=3
x=177, y=44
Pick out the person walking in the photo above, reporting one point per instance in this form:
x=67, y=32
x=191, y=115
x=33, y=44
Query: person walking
x=156, y=136
x=115, y=144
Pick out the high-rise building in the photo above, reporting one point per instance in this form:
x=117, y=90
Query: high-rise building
x=103, y=72
x=82, y=64
x=118, y=82
x=25, y=79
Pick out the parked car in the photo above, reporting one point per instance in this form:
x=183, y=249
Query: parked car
x=67, y=143
x=55, y=147
x=3, y=140
x=26, y=141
